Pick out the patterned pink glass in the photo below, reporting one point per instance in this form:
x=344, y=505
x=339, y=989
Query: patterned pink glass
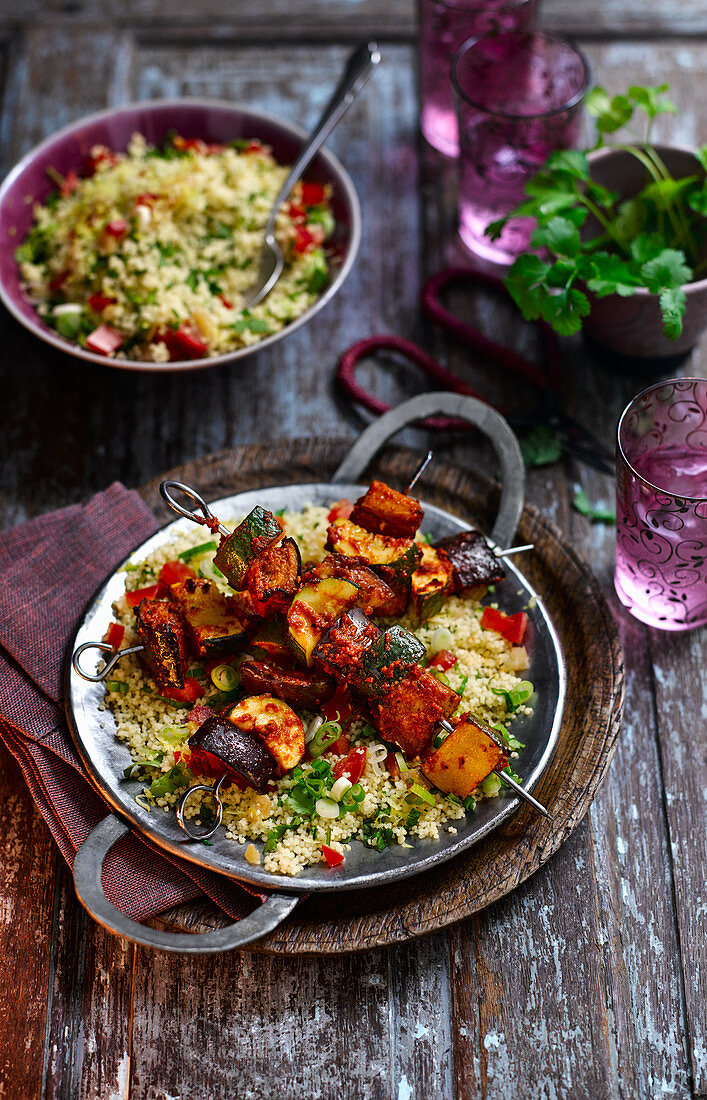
x=444, y=26
x=519, y=99
x=661, y=505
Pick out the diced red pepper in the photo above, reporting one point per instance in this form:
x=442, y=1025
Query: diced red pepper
x=177, y=756
x=59, y=280
x=98, y=155
x=174, y=571
x=98, y=302
x=341, y=509
x=254, y=147
x=190, y=145
x=183, y=344
x=331, y=855
x=340, y=703
x=191, y=691
x=341, y=746
x=444, y=660
x=117, y=228
x=352, y=765
x=216, y=147
x=104, y=340
x=152, y=592
x=225, y=301
x=510, y=627
x=71, y=182
x=312, y=193
x=114, y=635
x=199, y=714
x=147, y=198
x=297, y=213
x=391, y=763
x=304, y=239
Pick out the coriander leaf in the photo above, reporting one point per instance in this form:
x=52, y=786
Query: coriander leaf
x=646, y=246
x=611, y=275
x=630, y=219
x=610, y=114
x=701, y=156
x=525, y=283
x=562, y=273
x=651, y=100
x=697, y=201
x=559, y=236
x=494, y=229
x=550, y=194
x=667, y=269
x=573, y=161
x=583, y=505
x=565, y=310
x=665, y=192
x=540, y=447
x=672, y=306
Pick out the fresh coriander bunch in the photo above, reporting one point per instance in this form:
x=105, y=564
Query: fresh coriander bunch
x=592, y=238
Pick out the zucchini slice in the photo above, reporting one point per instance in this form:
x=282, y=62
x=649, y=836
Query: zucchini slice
x=272, y=639
x=375, y=597
x=212, y=619
x=275, y=725
x=385, y=511
x=161, y=631
x=314, y=609
x=274, y=577
x=368, y=659
x=254, y=534
x=389, y=659
x=390, y=557
x=474, y=563
x=431, y=582
x=409, y=712
x=220, y=743
x=464, y=759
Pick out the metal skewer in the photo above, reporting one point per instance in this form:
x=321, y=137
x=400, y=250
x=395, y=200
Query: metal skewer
x=504, y=776
x=105, y=648
x=216, y=792
x=514, y=550
x=206, y=519
x=418, y=473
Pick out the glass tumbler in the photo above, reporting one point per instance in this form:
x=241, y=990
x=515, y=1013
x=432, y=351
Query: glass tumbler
x=661, y=505
x=444, y=25
x=519, y=99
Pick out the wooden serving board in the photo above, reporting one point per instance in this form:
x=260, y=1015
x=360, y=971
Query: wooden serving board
x=360, y=920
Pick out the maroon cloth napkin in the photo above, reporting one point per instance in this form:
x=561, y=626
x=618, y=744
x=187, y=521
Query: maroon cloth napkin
x=50, y=568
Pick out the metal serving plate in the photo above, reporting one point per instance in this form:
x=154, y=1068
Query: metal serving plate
x=105, y=757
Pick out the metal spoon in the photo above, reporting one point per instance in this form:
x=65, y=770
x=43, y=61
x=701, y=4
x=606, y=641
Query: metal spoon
x=359, y=68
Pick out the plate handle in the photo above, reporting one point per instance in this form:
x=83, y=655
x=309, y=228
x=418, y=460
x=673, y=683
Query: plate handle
x=88, y=866
x=482, y=416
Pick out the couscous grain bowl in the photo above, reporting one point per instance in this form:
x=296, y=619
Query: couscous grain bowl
x=343, y=771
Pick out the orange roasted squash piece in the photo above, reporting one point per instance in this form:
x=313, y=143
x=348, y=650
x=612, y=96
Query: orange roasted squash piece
x=465, y=757
x=385, y=511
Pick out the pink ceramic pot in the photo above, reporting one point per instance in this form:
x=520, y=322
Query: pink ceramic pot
x=634, y=326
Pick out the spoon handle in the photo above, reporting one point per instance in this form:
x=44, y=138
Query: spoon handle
x=359, y=68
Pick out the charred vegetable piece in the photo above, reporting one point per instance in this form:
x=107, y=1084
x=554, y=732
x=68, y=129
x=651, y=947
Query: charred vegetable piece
x=314, y=609
x=274, y=723
x=274, y=576
x=161, y=631
x=392, y=559
x=385, y=511
x=218, y=741
x=254, y=534
x=410, y=711
x=212, y=619
x=464, y=759
x=375, y=597
x=341, y=648
x=475, y=564
x=272, y=638
x=295, y=686
x=431, y=582
x=388, y=660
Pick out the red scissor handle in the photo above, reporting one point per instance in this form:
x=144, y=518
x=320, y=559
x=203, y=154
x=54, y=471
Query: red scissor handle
x=346, y=376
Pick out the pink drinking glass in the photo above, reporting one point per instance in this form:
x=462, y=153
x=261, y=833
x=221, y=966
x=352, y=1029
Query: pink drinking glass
x=519, y=98
x=661, y=505
x=443, y=26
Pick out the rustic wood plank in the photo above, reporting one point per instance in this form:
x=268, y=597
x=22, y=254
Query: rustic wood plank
x=28, y=861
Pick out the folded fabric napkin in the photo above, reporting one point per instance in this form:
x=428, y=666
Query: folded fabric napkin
x=51, y=566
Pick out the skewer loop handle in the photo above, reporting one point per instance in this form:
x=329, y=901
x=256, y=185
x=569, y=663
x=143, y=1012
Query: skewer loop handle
x=167, y=488
x=216, y=792
x=105, y=648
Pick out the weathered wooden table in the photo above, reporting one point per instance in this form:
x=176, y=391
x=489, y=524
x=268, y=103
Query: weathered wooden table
x=590, y=980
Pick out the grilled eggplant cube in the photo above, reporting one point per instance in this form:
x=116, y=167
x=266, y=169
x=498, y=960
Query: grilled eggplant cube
x=220, y=742
x=212, y=619
x=464, y=759
x=161, y=631
x=274, y=577
x=410, y=711
x=292, y=685
x=314, y=609
x=254, y=534
x=275, y=725
x=431, y=582
x=385, y=511
x=474, y=563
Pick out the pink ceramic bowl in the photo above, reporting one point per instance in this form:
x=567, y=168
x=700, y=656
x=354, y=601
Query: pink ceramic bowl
x=209, y=119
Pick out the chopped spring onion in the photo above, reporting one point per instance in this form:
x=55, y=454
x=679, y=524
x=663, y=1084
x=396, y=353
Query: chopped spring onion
x=174, y=735
x=441, y=676
x=440, y=737
x=421, y=793
x=469, y=803
x=197, y=670
x=454, y=798
x=327, y=808
x=340, y=787
x=462, y=687
x=357, y=793
x=491, y=785
x=324, y=738
x=516, y=696
x=66, y=308
x=312, y=728
x=376, y=757
x=117, y=685
x=402, y=763
x=197, y=551
x=177, y=703
x=225, y=677
x=153, y=763
x=441, y=638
